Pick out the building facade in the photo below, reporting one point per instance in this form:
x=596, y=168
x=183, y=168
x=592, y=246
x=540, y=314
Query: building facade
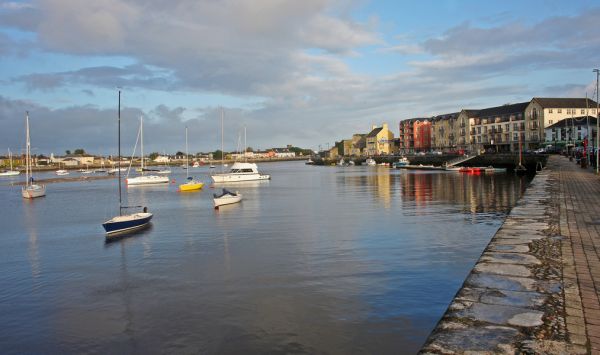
x=380, y=141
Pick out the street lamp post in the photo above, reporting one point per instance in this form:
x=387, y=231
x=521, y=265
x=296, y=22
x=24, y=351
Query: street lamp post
x=597, y=71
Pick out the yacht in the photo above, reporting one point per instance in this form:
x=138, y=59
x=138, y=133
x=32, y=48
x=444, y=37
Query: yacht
x=240, y=172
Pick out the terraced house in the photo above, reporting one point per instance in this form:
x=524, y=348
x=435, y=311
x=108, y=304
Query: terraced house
x=380, y=141
x=444, y=133
x=415, y=135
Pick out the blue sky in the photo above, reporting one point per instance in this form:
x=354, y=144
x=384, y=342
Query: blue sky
x=303, y=73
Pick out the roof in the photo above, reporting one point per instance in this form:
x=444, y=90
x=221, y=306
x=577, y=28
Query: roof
x=564, y=102
x=577, y=121
x=361, y=143
x=445, y=116
x=375, y=132
x=414, y=119
x=502, y=110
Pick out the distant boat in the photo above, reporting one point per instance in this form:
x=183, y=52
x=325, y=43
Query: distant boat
x=128, y=222
x=10, y=172
x=402, y=162
x=191, y=184
x=226, y=198
x=145, y=179
x=86, y=170
x=309, y=162
x=370, y=162
x=30, y=190
x=239, y=171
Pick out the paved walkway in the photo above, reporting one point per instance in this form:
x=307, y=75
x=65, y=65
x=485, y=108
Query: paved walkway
x=580, y=222
x=536, y=287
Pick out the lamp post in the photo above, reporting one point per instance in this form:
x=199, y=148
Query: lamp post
x=597, y=71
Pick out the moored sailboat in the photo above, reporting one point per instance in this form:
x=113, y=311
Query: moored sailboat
x=10, y=172
x=30, y=190
x=125, y=222
x=145, y=179
x=191, y=184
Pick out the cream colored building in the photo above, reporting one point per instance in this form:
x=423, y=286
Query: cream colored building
x=380, y=141
x=444, y=132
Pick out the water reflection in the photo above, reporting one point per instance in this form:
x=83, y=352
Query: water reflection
x=31, y=226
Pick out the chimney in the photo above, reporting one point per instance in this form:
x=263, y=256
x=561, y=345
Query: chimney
x=385, y=127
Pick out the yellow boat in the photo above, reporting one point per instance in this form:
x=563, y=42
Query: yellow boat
x=191, y=186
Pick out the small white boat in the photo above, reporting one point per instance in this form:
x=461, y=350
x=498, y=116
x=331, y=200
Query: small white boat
x=164, y=172
x=196, y=165
x=30, y=190
x=212, y=166
x=226, y=198
x=147, y=180
x=116, y=170
x=10, y=172
x=371, y=162
x=402, y=162
x=61, y=172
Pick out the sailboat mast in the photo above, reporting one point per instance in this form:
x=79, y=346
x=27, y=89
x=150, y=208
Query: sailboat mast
x=27, y=150
x=119, y=161
x=245, y=146
x=222, y=152
x=187, y=165
x=142, y=141
x=10, y=158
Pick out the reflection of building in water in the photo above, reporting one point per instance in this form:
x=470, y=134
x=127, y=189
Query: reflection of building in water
x=476, y=193
x=379, y=183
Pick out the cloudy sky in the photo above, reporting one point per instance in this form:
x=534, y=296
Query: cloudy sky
x=305, y=72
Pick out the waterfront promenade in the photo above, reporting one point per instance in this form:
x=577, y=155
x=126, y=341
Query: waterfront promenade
x=535, y=288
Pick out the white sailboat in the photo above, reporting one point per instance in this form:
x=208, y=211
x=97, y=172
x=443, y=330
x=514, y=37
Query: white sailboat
x=145, y=179
x=239, y=171
x=30, y=190
x=124, y=223
x=61, y=172
x=10, y=172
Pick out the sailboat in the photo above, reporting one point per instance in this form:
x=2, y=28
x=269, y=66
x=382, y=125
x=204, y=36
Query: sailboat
x=239, y=171
x=10, y=172
x=125, y=222
x=145, y=179
x=30, y=190
x=191, y=184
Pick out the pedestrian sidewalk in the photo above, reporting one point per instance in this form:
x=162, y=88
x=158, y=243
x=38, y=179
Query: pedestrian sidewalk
x=579, y=198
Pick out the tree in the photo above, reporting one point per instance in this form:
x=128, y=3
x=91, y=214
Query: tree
x=218, y=154
x=79, y=151
x=67, y=152
x=153, y=156
x=180, y=154
x=250, y=149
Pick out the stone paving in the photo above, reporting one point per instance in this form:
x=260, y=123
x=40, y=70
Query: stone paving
x=535, y=288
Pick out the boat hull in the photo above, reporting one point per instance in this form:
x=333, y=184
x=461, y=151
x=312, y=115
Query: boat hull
x=235, y=177
x=191, y=186
x=126, y=223
x=33, y=191
x=10, y=173
x=227, y=200
x=147, y=180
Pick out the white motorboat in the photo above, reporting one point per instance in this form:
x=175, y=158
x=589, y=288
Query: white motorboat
x=30, y=190
x=240, y=172
x=10, y=172
x=226, y=198
x=116, y=170
x=402, y=162
x=145, y=179
x=61, y=172
x=371, y=162
x=164, y=171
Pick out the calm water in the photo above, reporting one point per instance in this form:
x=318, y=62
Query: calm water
x=318, y=260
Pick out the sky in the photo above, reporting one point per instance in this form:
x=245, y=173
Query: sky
x=305, y=73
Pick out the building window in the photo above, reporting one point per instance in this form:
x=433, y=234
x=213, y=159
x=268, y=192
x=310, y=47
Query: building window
x=550, y=122
x=478, y=130
x=549, y=110
x=515, y=137
x=582, y=111
x=507, y=127
x=559, y=110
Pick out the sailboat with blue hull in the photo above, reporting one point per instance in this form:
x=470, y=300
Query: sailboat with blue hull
x=125, y=223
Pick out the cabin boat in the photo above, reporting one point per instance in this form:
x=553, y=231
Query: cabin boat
x=226, y=198
x=240, y=172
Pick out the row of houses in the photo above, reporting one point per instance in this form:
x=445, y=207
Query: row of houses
x=536, y=123
x=531, y=124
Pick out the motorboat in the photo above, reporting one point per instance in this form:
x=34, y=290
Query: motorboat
x=371, y=162
x=240, y=172
x=402, y=162
x=226, y=198
x=61, y=172
x=30, y=190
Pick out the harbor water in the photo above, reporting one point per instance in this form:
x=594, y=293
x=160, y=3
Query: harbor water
x=337, y=260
